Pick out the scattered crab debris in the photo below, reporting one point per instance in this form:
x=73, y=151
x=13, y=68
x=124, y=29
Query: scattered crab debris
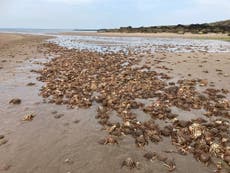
x=108, y=140
x=170, y=164
x=28, y=117
x=85, y=78
x=130, y=163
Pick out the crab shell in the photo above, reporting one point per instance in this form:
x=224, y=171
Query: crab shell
x=196, y=130
x=150, y=155
x=130, y=163
x=28, y=117
x=216, y=149
x=110, y=140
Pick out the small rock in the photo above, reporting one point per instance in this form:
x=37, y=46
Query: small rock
x=204, y=157
x=66, y=124
x=162, y=158
x=4, y=167
x=227, y=159
x=2, y=142
x=15, y=101
x=30, y=84
x=37, y=103
x=150, y=155
x=54, y=112
x=203, y=82
x=93, y=86
x=171, y=83
x=2, y=136
x=58, y=116
x=68, y=161
x=76, y=121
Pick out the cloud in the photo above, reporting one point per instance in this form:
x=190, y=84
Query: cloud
x=213, y=2
x=73, y=1
x=4, y=5
x=109, y=13
x=224, y=4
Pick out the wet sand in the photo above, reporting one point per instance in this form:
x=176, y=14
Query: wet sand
x=17, y=48
x=154, y=35
x=70, y=143
x=211, y=66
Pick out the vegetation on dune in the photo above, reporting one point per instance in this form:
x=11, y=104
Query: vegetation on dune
x=217, y=27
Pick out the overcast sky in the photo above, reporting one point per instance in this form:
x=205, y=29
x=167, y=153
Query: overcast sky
x=109, y=13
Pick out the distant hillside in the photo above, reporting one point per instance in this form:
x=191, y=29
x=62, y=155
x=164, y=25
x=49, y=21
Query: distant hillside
x=216, y=27
x=221, y=23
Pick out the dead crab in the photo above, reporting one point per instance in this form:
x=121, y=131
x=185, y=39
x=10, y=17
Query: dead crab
x=108, y=140
x=170, y=164
x=15, y=101
x=150, y=156
x=130, y=163
x=28, y=117
x=196, y=130
x=216, y=149
x=141, y=141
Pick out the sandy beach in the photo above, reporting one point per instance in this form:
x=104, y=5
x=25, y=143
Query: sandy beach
x=64, y=137
x=17, y=48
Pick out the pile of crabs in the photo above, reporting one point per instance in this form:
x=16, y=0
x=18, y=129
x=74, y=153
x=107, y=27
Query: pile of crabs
x=114, y=83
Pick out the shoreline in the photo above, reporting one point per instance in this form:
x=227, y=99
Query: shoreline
x=210, y=36
x=153, y=35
